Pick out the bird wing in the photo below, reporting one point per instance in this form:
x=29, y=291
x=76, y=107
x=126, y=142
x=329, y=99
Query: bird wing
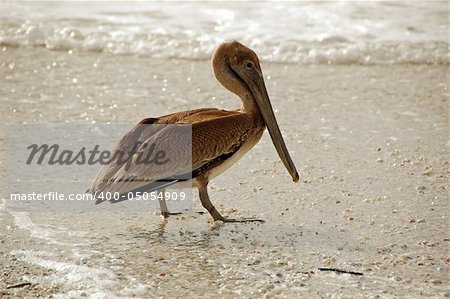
x=215, y=136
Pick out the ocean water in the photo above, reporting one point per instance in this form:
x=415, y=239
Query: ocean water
x=309, y=32
x=371, y=144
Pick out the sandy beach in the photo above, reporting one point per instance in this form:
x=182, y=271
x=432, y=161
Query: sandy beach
x=371, y=145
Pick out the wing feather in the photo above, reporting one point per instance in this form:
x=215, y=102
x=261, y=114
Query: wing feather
x=216, y=135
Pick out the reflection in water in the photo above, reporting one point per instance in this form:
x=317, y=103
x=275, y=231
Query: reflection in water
x=178, y=233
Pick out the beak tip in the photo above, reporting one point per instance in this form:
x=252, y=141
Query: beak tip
x=295, y=177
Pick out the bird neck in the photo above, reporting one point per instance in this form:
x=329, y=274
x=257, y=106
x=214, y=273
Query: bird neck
x=250, y=107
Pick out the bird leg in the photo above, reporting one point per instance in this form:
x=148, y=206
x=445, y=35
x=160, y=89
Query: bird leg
x=163, y=205
x=206, y=203
x=204, y=198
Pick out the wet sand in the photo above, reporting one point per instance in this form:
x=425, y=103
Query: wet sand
x=371, y=144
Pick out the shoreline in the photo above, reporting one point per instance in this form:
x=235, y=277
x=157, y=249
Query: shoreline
x=371, y=144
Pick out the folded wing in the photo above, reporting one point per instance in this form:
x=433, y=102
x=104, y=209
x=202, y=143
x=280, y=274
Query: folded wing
x=191, y=143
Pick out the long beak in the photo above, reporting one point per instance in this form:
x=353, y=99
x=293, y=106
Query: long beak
x=259, y=91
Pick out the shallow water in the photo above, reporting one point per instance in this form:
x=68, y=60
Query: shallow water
x=369, y=136
x=372, y=154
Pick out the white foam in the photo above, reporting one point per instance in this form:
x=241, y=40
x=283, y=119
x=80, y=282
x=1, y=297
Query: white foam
x=23, y=221
x=81, y=280
x=76, y=278
x=344, y=32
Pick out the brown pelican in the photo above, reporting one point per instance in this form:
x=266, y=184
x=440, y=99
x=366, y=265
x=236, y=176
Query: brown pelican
x=219, y=138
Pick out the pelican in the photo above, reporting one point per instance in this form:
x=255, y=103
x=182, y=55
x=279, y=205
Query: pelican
x=219, y=137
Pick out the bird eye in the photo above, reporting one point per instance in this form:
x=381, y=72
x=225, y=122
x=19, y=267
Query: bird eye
x=248, y=65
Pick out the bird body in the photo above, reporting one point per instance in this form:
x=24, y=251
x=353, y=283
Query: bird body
x=203, y=142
